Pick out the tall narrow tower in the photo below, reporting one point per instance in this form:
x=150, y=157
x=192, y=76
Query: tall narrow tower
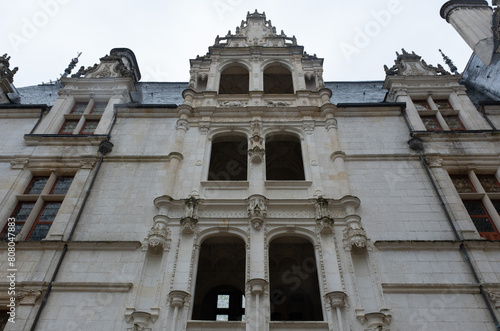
x=473, y=21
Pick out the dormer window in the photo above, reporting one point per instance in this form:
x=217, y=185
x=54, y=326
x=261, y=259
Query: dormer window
x=438, y=115
x=278, y=80
x=234, y=80
x=83, y=118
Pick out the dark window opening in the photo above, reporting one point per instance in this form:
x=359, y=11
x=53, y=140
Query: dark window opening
x=294, y=285
x=228, y=160
x=311, y=83
x=234, y=80
x=482, y=220
x=278, y=80
x=220, y=281
x=284, y=158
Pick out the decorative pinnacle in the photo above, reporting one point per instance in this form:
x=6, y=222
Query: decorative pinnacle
x=71, y=66
x=450, y=64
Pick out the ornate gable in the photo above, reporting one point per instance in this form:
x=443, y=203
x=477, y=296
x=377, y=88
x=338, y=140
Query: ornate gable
x=407, y=64
x=255, y=31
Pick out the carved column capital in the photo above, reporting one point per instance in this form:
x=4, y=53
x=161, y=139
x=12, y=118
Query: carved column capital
x=257, y=285
x=336, y=299
x=177, y=298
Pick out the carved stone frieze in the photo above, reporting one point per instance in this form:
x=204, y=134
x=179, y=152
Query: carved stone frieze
x=233, y=104
x=279, y=103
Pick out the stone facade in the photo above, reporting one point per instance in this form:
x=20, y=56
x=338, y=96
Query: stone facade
x=255, y=203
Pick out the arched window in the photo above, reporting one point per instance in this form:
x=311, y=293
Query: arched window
x=228, y=160
x=294, y=285
x=234, y=80
x=220, y=282
x=278, y=80
x=284, y=158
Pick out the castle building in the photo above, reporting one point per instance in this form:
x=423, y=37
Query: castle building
x=256, y=196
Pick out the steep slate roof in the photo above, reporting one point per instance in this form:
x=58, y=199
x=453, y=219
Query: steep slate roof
x=171, y=92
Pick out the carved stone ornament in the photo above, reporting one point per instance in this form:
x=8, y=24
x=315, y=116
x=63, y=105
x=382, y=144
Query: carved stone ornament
x=257, y=211
x=177, y=298
x=233, y=104
x=279, y=103
x=336, y=299
x=28, y=297
x=158, y=236
x=256, y=151
x=254, y=31
x=407, y=64
x=323, y=219
x=5, y=72
x=354, y=237
x=113, y=65
x=495, y=297
x=376, y=321
x=190, y=219
x=434, y=161
x=141, y=320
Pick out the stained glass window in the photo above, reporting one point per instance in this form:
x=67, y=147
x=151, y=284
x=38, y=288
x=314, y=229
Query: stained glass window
x=68, y=127
x=421, y=105
x=62, y=185
x=462, y=184
x=44, y=221
x=89, y=127
x=443, y=105
x=20, y=214
x=99, y=108
x=489, y=183
x=79, y=108
x=37, y=184
x=431, y=123
x=454, y=122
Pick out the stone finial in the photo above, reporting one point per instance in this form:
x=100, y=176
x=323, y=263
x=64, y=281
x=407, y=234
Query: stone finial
x=5, y=71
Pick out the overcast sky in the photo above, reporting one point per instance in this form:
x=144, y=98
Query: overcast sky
x=356, y=38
